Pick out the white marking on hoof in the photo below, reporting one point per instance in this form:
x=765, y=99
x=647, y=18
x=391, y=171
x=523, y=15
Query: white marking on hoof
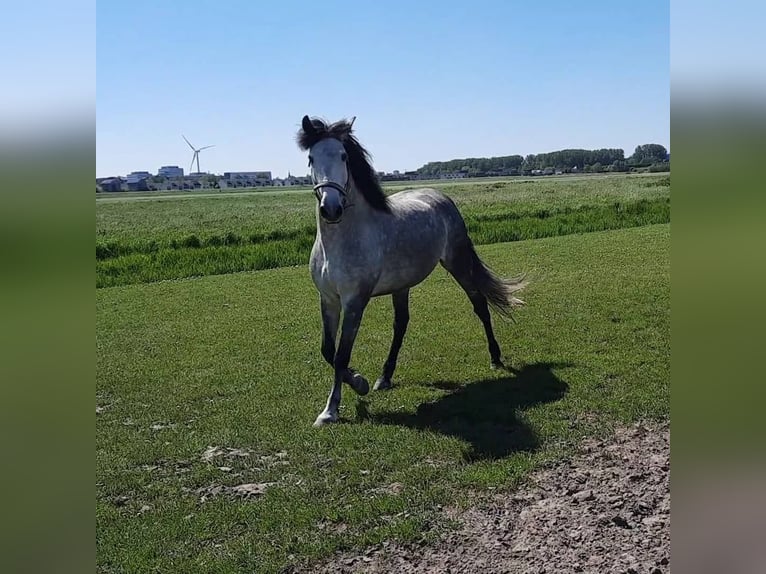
x=325, y=418
x=383, y=384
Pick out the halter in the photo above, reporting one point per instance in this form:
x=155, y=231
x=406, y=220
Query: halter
x=342, y=190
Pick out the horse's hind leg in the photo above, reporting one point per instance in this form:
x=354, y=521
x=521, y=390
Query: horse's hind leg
x=401, y=318
x=460, y=268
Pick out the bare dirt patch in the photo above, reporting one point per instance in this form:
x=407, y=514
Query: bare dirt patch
x=607, y=509
x=239, y=463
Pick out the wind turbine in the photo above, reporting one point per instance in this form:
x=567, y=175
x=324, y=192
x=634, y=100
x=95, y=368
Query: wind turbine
x=195, y=157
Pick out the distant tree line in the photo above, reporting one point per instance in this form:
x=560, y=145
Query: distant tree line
x=566, y=160
x=648, y=154
x=473, y=165
x=570, y=158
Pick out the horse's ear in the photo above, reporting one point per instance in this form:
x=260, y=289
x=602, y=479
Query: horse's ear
x=308, y=127
x=351, y=123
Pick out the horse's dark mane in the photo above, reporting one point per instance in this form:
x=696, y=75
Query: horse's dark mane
x=359, y=161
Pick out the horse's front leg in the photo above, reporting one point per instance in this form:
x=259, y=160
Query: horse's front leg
x=331, y=308
x=352, y=318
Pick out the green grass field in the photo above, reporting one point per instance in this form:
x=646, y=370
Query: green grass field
x=232, y=361
x=154, y=237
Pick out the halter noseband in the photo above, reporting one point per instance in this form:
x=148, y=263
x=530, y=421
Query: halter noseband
x=341, y=189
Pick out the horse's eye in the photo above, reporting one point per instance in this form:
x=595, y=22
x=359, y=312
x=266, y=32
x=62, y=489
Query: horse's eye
x=343, y=156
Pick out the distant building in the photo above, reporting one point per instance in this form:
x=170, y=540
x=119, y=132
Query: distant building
x=138, y=180
x=297, y=180
x=139, y=174
x=109, y=184
x=453, y=175
x=170, y=171
x=247, y=178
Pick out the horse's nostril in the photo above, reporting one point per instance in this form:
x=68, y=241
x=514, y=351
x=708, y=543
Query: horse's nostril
x=332, y=214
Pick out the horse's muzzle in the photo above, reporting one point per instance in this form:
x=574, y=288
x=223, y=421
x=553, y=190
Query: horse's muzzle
x=330, y=212
x=331, y=206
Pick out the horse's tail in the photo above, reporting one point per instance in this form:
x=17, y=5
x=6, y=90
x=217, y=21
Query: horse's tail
x=499, y=291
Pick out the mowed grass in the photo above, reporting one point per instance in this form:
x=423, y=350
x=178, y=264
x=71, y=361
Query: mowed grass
x=152, y=239
x=233, y=362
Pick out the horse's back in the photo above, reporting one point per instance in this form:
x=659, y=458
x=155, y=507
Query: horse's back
x=424, y=214
x=423, y=195
x=429, y=204
x=418, y=231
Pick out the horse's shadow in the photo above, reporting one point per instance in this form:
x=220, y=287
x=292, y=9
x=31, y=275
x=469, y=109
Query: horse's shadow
x=483, y=413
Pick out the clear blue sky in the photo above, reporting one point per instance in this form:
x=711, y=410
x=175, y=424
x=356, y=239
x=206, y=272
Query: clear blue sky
x=427, y=80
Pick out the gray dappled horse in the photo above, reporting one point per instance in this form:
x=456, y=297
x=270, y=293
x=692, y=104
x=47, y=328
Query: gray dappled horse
x=368, y=245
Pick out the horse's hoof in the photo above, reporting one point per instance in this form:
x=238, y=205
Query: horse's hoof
x=359, y=384
x=325, y=419
x=383, y=384
x=497, y=365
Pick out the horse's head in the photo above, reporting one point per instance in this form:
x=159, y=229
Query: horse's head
x=329, y=164
x=340, y=167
